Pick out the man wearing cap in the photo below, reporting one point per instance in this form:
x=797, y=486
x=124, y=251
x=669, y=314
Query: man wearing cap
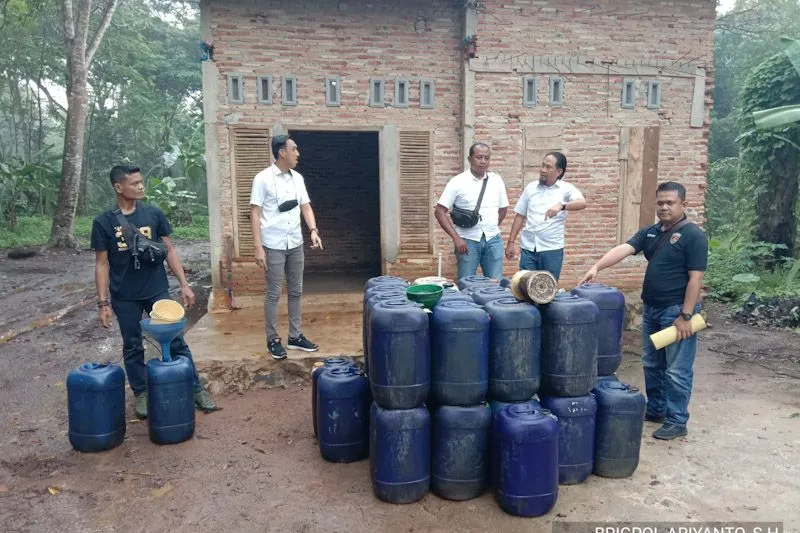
x=129, y=284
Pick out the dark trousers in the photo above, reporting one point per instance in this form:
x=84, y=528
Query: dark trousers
x=129, y=314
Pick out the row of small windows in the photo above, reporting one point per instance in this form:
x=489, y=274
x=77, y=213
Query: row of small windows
x=333, y=91
x=530, y=86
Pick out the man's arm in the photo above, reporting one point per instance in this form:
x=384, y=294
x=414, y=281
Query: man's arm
x=175, y=265
x=311, y=222
x=440, y=212
x=255, y=225
x=612, y=257
x=516, y=226
x=690, y=299
x=501, y=215
x=101, y=275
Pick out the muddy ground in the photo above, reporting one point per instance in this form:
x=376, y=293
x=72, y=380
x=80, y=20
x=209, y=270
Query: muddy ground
x=254, y=465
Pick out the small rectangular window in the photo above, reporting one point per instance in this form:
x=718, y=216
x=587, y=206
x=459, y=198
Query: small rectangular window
x=289, y=90
x=653, y=94
x=376, y=93
x=427, y=94
x=529, y=91
x=401, y=93
x=556, y=91
x=265, y=89
x=333, y=91
x=628, y=99
x=235, y=89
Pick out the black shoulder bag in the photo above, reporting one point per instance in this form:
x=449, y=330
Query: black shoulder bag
x=464, y=218
x=665, y=236
x=140, y=246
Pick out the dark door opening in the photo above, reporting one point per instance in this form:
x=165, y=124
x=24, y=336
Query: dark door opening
x=342, y=171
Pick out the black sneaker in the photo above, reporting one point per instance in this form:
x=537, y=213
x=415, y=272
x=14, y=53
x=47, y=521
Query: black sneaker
x=302, y=343
x=669, y=432
x=276, y=348
x=653, y=417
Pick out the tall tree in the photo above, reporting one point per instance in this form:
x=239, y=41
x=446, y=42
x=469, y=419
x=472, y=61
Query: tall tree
x=770, y=153
x=78, y=22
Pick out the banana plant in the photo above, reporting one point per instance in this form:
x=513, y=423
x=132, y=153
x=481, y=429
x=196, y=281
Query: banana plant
x=777, y=117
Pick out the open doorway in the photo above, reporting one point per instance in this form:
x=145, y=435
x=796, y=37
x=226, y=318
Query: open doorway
x=342, y=174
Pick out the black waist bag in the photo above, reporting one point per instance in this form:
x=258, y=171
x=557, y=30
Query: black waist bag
x=464, y=218
x=142, y=248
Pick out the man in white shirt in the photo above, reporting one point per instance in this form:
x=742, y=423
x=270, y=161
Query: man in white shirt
x=277, y=199
x=481, y=243
x=543, y=207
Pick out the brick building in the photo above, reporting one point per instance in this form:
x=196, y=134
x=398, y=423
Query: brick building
x=384, y=98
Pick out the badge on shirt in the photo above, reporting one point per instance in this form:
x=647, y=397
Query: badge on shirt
x=675, y=238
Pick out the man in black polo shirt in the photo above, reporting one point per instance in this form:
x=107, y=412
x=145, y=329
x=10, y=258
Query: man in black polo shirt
x=134, y=285
x=677, y=254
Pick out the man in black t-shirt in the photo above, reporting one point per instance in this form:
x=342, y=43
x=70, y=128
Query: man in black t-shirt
x=134, y=284
x=677, y=255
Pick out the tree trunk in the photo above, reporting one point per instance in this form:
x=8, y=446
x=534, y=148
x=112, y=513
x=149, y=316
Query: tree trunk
x=61, y=234
x=775, y=206
x=80, y=52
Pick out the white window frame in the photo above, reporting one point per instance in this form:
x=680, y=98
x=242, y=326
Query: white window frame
x=422, y=103
x=379, y=84
x=331, y=99
x=556, y=80
x=284, y=81
x=401, y=87
x=529, y=97
x=238, y=79
x=654, y=87
x=264, y=98
x=633, y=86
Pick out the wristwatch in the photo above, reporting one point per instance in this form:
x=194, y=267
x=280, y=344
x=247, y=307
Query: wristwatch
x=686, y=316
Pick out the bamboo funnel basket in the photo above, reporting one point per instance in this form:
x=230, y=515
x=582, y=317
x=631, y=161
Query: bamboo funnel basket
x=534, y=286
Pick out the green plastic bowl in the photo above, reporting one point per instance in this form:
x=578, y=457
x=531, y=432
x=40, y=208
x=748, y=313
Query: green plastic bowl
x=427, y=295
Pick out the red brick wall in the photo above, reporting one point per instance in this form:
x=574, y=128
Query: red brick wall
x=341, y=171
x=417, y=39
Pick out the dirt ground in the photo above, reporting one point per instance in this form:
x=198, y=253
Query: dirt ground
x=254, y=465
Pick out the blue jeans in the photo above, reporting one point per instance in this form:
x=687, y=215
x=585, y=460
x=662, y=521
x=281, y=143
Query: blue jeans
x=487, y=254
x=129, y=314
x=550, y=260
x=668, y=372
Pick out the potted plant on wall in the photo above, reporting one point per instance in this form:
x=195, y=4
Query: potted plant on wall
x=471, y=46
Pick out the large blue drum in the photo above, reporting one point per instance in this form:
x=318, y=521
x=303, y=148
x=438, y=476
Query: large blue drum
x=96, y=406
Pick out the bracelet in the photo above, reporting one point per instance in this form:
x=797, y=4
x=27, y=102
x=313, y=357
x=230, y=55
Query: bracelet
x=314, y=229
x=103, y=303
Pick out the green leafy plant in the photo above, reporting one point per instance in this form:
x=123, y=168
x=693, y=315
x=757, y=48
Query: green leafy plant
x=179, y=204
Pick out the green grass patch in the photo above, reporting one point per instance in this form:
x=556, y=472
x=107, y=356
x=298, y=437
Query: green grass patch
x=35, y=231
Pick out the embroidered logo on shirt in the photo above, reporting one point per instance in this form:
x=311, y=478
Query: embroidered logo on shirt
x=675, y=238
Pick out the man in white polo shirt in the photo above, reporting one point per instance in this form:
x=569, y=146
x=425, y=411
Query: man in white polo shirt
x=476, y=236
x=277, y=200
x=542, y=208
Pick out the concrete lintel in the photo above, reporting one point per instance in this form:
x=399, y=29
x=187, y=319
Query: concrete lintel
x=520, y=64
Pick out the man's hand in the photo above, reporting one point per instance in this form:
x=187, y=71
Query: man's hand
x=589, y=277
x=553, y=211
x=106, y=316
x=461, y=245
x=188, y=295
x=261, y=257
x=510, y=249
x=316, y=241
x=684, y=328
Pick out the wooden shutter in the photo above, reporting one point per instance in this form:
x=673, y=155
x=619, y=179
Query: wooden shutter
x=415, y=192
x=250, y=156
x=638, y=155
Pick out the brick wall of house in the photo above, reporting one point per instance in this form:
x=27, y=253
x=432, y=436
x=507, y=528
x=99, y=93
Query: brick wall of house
x=422, y=39
x=341, y=171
